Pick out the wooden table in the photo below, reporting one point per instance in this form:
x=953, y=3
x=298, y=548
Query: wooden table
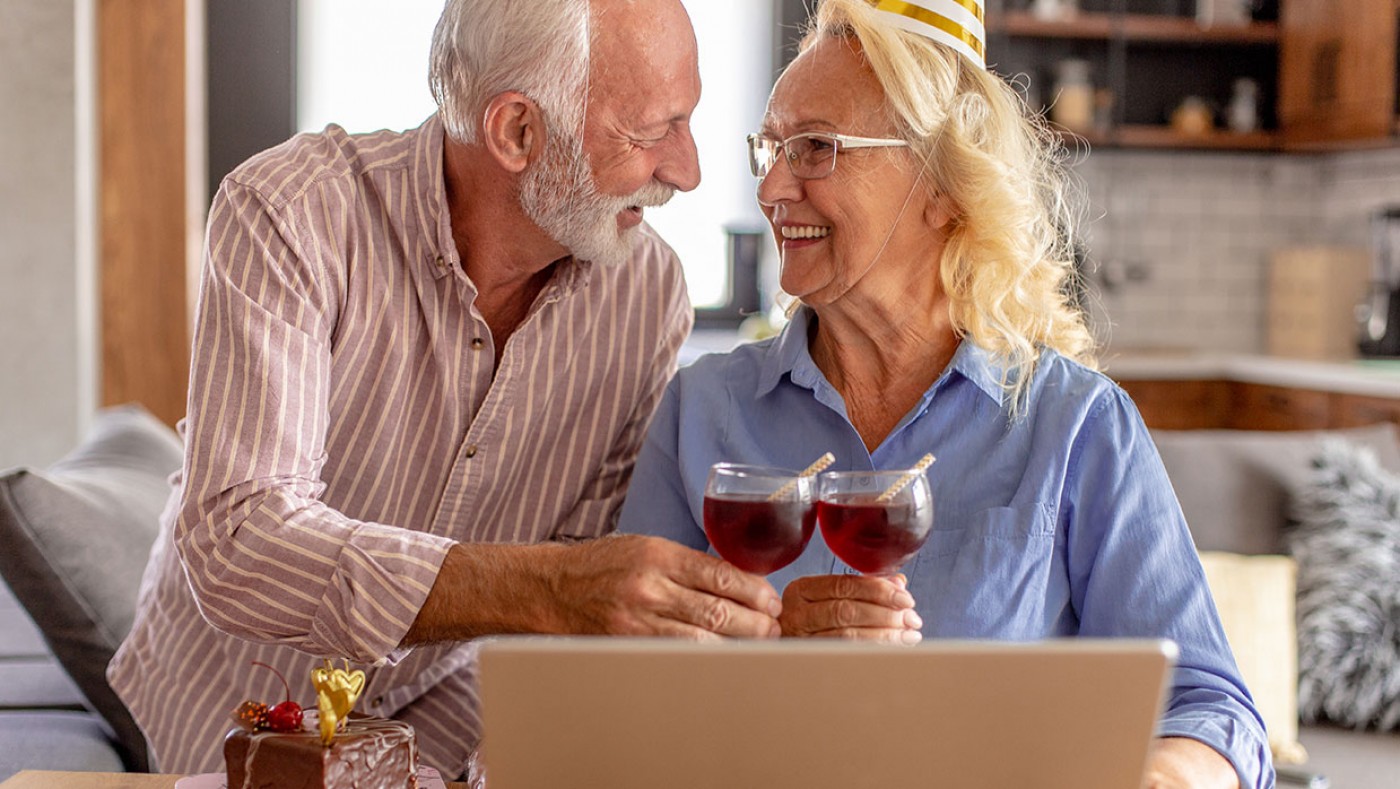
x=49, y=779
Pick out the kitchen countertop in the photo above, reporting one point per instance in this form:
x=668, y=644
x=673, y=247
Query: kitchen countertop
x=1371, y=377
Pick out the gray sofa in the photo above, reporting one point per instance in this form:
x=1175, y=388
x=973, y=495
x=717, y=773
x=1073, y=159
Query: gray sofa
x=1238, y=490
x=44, y=723
x=76, y=537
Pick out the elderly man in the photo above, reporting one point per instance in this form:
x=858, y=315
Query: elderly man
x=423, y=365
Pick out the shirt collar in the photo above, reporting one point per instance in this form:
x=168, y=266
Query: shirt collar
x=786, y=353
x=789, y=355
x=430, y=184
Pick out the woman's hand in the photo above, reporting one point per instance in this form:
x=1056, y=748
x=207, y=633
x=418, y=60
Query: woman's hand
x=1181, y=762
x=866, y=607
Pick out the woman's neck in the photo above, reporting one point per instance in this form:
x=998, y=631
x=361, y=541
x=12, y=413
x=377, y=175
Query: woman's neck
x=881, y=358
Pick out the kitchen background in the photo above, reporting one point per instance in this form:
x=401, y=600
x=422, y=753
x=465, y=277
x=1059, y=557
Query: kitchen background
x=1182, y=244
x=1180, y=241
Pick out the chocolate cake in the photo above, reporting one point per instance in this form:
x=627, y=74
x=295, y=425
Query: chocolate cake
x=369, y=753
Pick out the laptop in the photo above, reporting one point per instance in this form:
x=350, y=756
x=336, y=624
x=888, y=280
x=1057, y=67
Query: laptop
x=811, y=714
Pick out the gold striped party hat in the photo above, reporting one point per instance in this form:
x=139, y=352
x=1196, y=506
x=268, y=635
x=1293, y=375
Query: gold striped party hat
x=955, y=23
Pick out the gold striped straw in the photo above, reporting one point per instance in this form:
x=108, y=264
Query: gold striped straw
x=908, y=477
x=817, y=467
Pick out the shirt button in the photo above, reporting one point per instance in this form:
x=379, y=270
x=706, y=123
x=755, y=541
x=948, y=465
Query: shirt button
x=478, y=343
x=471, y=451
x=378, y=701
x=439, y=262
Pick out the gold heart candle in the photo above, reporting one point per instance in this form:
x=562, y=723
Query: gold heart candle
x=336, y=692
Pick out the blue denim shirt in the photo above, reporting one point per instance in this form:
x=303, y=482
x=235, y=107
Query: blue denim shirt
x=1060, y=522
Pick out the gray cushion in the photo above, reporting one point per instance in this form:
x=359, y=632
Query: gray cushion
x=19, y=637
x=77, y=538
x=1235, y=486
x=54, y=741
x=37, y=683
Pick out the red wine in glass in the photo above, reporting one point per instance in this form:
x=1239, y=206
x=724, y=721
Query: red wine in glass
x=755, y=534
x=871, y=537
x=758, y=519
x=871, y=532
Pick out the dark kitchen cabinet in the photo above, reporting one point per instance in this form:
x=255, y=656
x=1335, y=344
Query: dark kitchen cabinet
x=1338, y=72
x=1240, y=405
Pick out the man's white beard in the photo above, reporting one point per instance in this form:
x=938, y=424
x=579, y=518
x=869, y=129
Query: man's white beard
x=560, y=196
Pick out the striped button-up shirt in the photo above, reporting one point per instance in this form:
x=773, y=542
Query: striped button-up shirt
x=348, y=422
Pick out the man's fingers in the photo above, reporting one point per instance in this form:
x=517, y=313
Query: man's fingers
x=705, y=573
x=719, y=615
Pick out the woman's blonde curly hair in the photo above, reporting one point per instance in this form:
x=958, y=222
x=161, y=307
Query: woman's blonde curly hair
x=1007, y=266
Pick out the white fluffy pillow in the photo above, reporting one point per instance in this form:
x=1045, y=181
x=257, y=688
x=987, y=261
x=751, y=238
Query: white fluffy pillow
x=1347, y=545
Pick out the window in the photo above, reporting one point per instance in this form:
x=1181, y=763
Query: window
x=363, y=65
x=736, y=67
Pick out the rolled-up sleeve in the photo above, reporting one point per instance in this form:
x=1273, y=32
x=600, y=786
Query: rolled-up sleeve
x=265, y=558
x=1134, y=571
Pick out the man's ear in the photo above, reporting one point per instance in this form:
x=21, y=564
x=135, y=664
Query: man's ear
x=512, y=129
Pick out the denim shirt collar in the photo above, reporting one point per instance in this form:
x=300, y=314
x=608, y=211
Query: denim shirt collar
x=789, y=355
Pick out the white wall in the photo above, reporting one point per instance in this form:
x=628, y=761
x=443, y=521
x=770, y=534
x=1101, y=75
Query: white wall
x=46, y=359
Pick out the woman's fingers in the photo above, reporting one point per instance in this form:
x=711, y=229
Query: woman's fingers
x=850, y=606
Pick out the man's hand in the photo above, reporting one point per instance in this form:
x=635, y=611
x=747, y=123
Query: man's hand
x=634, y=585
x=617, y=585
x=1182, y=763
x=868, y=607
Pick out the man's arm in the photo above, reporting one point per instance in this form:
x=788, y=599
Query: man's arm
x=622, y=585
x=617, y=585
x=267, y=560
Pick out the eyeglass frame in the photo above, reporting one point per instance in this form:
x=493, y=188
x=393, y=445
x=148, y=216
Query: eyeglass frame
x=841, y=142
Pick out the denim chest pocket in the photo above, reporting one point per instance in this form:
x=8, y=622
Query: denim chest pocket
x=993, y=577
x=998, y=524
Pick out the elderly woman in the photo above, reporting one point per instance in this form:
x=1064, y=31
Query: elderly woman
x=919, y=213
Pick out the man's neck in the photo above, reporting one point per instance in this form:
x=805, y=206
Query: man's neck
x=505, y=254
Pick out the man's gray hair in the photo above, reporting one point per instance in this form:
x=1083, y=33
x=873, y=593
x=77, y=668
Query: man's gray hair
x=482, y=48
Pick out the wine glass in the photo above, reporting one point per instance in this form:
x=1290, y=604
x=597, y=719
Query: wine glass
x=874, y=521
x=759, y=519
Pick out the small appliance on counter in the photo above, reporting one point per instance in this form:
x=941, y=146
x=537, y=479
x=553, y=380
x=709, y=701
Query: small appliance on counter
x=1379, y=314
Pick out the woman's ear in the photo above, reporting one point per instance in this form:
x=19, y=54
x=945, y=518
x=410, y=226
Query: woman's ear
x=938, y=211
x=512, y=129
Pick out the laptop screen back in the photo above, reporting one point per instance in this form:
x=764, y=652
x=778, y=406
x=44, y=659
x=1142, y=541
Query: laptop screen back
x=624, y=713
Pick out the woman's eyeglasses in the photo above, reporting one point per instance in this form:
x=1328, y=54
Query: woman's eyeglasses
x=810, y=155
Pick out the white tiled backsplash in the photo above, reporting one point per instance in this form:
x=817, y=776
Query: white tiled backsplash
x=1179, y=243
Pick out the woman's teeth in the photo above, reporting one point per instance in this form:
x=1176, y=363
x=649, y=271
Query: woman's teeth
x=805, y=231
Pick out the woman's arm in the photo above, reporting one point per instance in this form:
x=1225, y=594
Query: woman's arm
x=1134, y=571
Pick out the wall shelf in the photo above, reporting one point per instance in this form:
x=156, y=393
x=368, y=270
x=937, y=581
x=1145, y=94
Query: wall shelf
x=1147, y=136
x=1143, y=67
x=1133, y=28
